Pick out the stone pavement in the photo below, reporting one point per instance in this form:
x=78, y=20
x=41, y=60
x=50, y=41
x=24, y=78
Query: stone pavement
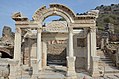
x=59, y=72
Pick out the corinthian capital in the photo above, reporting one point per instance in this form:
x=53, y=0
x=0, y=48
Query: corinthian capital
x=18, y=30
x=93, y=29
x=70, y=29
x=39, y=30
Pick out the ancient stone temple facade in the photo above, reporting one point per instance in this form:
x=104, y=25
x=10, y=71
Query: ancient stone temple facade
x=71, y=43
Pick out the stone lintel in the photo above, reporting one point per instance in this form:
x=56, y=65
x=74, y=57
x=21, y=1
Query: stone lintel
x=27, y=26
x=84, y=25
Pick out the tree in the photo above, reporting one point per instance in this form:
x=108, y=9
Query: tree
x=107, y=20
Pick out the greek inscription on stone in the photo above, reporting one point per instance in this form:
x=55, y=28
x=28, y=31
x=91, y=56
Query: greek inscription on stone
x=57, y=42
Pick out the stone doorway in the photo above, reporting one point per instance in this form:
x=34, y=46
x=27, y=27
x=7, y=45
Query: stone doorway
x=56, y=52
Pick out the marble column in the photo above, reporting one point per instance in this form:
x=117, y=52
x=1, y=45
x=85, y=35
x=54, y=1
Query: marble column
x=70, y=43
x=93, y=41
x=44, y=56
x=94, y=57
x=17, y=54
x=88, y=51
x=39, y=50
x=70, y=58
x=17, y=45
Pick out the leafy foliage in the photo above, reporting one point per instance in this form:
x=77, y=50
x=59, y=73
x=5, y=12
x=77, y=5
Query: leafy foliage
x=108, y=14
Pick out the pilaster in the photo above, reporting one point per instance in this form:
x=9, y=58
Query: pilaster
x=94, y=58
x=93, y=41
x=94, y=65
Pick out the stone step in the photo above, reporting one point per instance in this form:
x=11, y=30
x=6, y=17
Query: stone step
x=111, y=77
x=116, y=75
x=111, y=72
x=111, y=69
x=105, y=59
x=51, y=75
x=108, y=62
x=105, y=64
x=102, y=54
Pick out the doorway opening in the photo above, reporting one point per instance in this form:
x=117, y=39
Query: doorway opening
x=56, y=46
x=56, y=54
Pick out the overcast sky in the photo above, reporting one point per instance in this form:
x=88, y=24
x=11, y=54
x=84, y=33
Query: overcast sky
x=28, y=7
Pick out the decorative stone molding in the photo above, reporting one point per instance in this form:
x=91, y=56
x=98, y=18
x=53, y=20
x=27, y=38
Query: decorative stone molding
x=93, y=12
x=19, y=17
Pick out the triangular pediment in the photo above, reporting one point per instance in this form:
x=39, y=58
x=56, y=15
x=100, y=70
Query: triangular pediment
x=56, y=26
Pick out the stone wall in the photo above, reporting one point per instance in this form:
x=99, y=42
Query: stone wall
x=80, y=51
x=57, y=52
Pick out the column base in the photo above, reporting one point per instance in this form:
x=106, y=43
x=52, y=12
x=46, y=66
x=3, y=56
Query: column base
x=88, y=68
x=13, y=70
x=71, y=67
x=12, y=77
x=35, y=69
x=94, y=71
x=34, y=77
x=39, y=66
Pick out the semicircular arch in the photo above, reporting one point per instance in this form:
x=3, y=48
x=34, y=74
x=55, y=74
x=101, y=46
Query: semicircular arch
x=55, y=10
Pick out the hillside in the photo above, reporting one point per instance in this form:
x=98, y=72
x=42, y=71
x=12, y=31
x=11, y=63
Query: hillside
x=108, y=14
